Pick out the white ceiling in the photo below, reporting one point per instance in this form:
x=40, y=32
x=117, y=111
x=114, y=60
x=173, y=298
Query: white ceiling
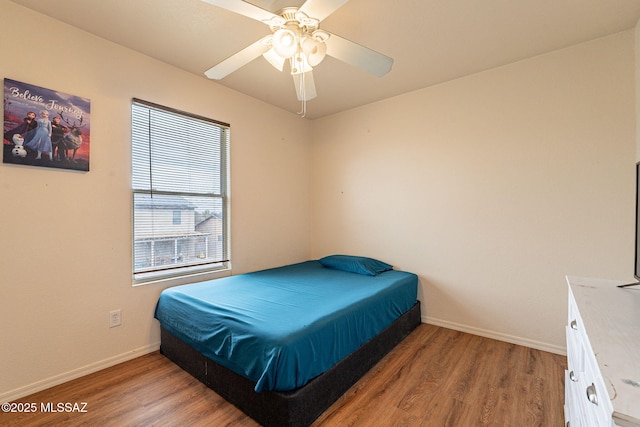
x=431, y=41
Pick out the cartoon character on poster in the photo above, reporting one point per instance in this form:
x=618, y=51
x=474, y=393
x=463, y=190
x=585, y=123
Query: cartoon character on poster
x=18, y=149
x=44, y=127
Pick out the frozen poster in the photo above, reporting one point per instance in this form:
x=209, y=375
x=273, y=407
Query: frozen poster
x=43, y=127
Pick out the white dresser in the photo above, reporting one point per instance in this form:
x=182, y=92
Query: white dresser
x=602, y=385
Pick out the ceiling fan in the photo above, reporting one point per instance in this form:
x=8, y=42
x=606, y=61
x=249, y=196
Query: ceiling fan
x=296, y=37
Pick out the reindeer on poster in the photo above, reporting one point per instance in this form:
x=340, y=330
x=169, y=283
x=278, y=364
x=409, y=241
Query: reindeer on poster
x=73, y=139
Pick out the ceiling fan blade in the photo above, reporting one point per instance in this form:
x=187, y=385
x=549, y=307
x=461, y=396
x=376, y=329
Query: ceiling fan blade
x=358, y=56
x=305, y=86
x=239, y=59
x=243, y=8
x=320, y=9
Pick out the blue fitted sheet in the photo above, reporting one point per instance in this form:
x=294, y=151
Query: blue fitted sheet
x=284, y=326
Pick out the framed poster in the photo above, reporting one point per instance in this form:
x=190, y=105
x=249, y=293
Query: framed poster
x=44, y=127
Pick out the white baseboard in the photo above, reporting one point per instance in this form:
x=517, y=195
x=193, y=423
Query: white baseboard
x=76, y=373
x=496, y=335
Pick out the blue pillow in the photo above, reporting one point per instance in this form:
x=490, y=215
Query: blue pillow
x=355, y=264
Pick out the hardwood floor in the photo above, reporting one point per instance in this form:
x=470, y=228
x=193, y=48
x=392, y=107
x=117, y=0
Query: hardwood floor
x=435, y=377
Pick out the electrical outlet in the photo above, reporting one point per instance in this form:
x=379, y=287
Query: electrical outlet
x=115, y=318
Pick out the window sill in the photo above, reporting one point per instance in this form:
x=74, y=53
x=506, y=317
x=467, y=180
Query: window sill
x=180, y=279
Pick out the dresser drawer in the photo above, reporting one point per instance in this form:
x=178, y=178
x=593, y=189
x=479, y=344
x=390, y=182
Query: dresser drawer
x=575, y=351
x=573, y=411
x=594, y=394
x=574, y=320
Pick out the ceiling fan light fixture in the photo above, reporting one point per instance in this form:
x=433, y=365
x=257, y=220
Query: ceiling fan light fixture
x=314, y=50
x=274, y=59
x=285, y=43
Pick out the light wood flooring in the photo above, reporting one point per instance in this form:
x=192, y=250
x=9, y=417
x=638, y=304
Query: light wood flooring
x=435, y=377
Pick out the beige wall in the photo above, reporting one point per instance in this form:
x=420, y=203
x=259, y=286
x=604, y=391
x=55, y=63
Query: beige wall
x=65, y=246
x=491, y=187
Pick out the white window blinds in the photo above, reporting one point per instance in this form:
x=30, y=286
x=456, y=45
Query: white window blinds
x=179, y=181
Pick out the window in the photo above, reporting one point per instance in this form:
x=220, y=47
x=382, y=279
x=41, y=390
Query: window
x=179, y=183
x=177, y=217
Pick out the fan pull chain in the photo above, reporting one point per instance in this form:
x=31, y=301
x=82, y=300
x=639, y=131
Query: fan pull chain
x=303, y=95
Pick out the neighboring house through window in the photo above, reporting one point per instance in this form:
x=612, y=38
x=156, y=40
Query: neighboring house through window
x=179, y=184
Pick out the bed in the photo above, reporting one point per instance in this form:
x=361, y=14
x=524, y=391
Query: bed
x=283, y=344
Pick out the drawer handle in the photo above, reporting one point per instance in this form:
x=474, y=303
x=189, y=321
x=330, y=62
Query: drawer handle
x=591, y=394
x=574, y=325
x=572, y=377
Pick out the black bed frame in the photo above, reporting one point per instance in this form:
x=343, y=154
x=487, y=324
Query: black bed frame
x=299, y=407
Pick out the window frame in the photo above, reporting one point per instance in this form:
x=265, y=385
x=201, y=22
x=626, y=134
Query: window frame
x=184, y=273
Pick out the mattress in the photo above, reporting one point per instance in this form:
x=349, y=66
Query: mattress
x=282, y=327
